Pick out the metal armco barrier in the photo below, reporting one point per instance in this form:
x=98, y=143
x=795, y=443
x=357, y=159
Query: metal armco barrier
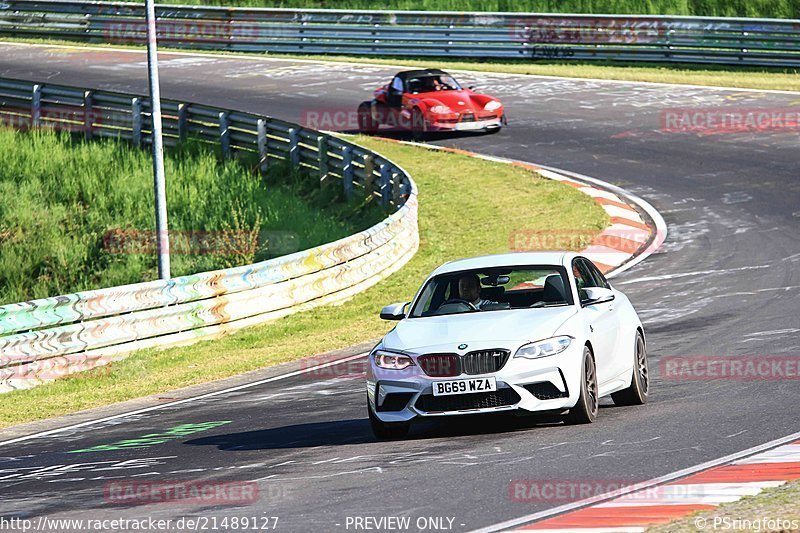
x=532, y=36
x=43, y=339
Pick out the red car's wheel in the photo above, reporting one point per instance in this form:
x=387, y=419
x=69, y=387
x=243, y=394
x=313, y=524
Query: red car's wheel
x=366, y=124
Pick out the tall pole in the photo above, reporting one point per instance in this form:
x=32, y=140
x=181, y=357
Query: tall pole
x=162, y=235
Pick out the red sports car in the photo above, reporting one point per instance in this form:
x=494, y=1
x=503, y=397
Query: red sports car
x=430, y=100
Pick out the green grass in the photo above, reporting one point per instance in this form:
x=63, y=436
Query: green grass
x=775, y=503
x=722, y=8
x=64, y=199
x=467, y=207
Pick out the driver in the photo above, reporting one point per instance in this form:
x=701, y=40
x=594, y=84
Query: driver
x=469, y=288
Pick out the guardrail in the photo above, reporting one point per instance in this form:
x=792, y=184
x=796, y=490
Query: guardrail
x=740, y=41
x=43, y=339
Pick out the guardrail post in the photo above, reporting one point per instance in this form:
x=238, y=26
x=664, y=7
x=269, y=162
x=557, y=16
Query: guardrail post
x=263, y=144
x=88, y=114
x=347, y=172
x=183, y=114
x=385, y=186
x=322, y=157
x=136, y=121
x=369, y=174
x=294, y=147
x=397, y=185
x=36, y=105
x=224, y=134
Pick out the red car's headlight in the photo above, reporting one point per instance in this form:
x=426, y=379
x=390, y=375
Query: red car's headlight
x=494, y=105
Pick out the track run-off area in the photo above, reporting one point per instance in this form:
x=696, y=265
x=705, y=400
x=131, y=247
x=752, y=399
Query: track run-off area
x=725, y=283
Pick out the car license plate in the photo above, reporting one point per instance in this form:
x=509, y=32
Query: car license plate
x=464, y=386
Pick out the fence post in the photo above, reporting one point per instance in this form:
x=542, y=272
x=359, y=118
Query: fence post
x=88, y=114
x=294, y=147
x=347, y=172
x=322, y=157
x=263, y=144
x=369, y=174
x=397, y=183
x=183, y=112
x=136, y=121
x=224, y=134
x=36, y=105
x=385, y=186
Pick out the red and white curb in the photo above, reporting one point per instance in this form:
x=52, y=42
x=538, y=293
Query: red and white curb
x=627, y=241
x=703, y=487
x=638, y=510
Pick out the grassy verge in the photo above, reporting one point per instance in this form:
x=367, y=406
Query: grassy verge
x=784, y=79
x=782, y=503
x=720, y=8
x=82, y=214
x=467, y=207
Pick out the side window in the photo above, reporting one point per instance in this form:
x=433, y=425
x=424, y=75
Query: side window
x=582, y=277
x=600, y=279
x=397, y=84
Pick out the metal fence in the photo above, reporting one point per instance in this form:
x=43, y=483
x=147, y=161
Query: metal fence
x=529, y=36
x=43, y=339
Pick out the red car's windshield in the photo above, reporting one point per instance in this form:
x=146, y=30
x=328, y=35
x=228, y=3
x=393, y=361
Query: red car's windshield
x=431, y=83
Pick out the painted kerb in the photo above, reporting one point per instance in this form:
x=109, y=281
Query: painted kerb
x=41, y=340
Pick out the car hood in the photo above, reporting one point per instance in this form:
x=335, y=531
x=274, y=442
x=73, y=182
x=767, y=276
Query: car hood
x=457, y=100
x=516, y=326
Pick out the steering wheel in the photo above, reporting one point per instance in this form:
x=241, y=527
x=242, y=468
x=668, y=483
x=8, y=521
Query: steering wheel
x=469, y=305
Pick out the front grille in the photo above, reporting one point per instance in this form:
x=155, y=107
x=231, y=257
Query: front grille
x=545, y=391
x=428, y=403
x=440, y=365
x=484, y=361
x=467, y=117
x=395, y=401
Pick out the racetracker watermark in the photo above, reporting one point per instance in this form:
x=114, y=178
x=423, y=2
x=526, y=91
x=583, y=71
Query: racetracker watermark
x=58, y=117
x=200, y=242
x=189, y=31
x=313, y=369
x=181, y=492
x=570, y=490
x=525, y=240
x=734, y=368
x=719, y=120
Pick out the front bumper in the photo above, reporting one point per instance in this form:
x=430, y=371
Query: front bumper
x=473, y=125
x=533, y=385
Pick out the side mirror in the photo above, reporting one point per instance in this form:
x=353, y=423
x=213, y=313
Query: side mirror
x=394, y=312
x=471, y=87
x=597, y=295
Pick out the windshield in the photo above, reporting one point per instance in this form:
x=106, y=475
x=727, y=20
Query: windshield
x=494, y=289
x=433, y=82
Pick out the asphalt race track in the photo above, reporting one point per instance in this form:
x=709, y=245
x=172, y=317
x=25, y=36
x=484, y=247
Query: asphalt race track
x=726, y=282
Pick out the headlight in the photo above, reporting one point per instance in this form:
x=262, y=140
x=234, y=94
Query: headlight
x=493, y=105
x=440, y=110
x=391, y=360
x=544, y=348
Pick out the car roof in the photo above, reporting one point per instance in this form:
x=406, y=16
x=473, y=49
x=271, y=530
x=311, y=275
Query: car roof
x=507, y=259
x=404, y=75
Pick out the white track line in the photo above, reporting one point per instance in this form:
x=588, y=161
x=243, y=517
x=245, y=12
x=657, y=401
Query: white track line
x=401, y=67
x=185, y=400
x=639, y=486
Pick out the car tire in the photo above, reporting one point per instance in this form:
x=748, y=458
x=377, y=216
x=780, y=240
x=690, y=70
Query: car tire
x=637, y=393
x=418, y=132
x=585, y=411
x=366, y=124
x=387, y=430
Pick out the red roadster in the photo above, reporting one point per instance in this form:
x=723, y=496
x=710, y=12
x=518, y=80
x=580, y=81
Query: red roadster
x=430, y=100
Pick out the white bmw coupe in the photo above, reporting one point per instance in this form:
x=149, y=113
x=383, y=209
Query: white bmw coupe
x=535, y=332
